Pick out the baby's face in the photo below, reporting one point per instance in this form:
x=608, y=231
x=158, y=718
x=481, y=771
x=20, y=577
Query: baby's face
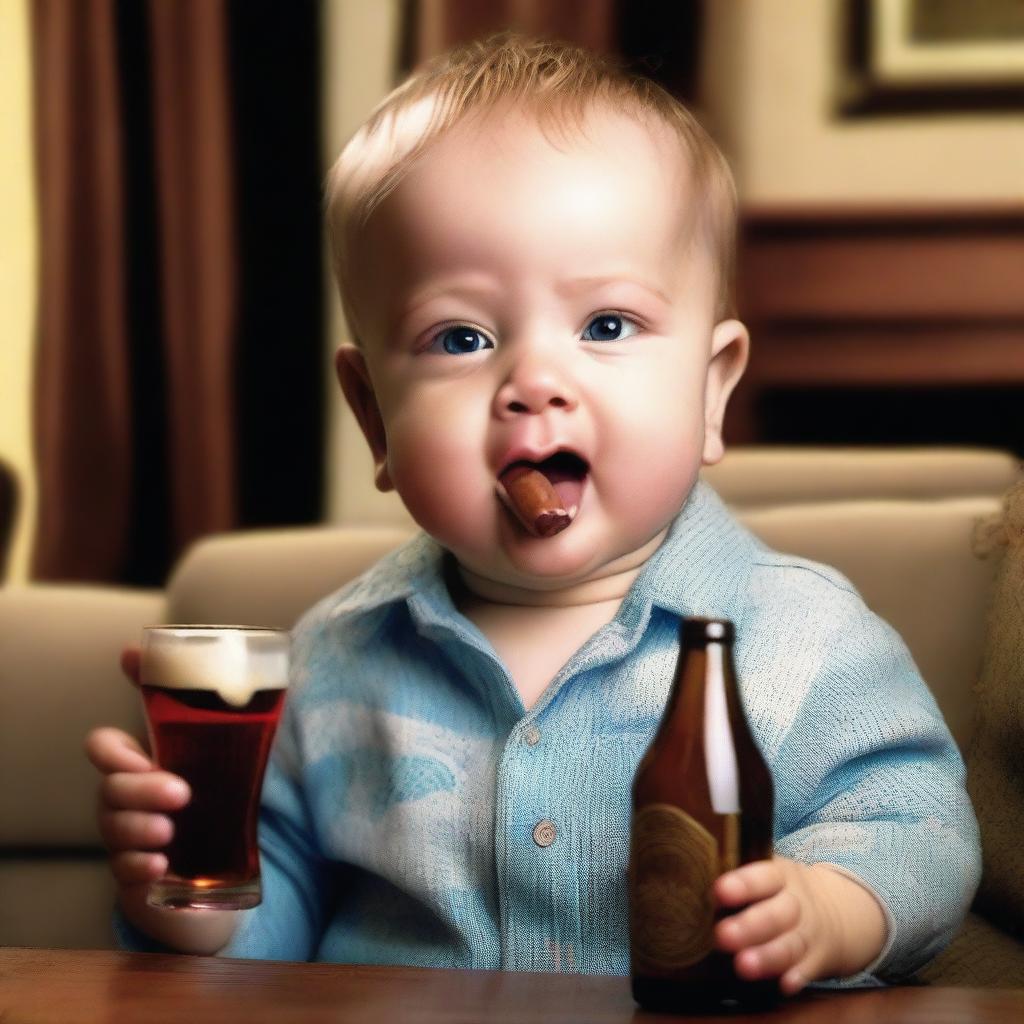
x=518, y=301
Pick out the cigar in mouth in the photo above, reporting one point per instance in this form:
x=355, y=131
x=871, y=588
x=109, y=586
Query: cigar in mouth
x=535, y=501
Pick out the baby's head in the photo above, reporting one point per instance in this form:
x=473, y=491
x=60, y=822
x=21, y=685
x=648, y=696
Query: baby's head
x=534, y=252
x=556, y=86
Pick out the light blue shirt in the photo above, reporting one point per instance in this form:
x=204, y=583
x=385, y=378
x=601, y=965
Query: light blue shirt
x=415, y=813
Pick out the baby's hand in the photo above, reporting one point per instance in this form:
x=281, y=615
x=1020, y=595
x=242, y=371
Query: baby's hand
x=801, y=922
x=135, y=798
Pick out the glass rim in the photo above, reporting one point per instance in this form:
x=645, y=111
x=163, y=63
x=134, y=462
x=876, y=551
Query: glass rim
x=197, y=627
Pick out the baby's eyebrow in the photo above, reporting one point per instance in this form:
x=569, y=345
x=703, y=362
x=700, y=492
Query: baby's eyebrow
x=458, y=288
x=576, y=285
x=469, y=286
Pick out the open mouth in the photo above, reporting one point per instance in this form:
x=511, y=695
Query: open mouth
x=544, y=496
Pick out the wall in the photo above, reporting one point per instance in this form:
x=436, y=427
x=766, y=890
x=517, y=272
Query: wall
x=17, y=268
x=359, y=58
x=770, y=74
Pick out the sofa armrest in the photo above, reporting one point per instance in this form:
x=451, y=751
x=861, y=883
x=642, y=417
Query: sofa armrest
x=60, y=677
x=759, y=476
x=270, y=577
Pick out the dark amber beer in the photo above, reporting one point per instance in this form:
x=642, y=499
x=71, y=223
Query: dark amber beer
x=702, y=805
x=213, y=696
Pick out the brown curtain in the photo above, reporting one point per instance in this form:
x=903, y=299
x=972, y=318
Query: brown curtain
x=194, y=179
x=82, y=411
x=433, y=26
x=84, y=406
x=656, y=38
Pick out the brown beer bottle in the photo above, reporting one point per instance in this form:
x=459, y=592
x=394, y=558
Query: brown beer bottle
x=702, y=805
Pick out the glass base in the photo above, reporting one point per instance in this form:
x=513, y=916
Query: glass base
x=204, y=894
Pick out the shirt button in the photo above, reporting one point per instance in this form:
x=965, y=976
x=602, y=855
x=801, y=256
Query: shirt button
x=532, y=736
x=544, y=833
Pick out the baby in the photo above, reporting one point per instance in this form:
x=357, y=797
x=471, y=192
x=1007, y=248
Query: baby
x=534, y=254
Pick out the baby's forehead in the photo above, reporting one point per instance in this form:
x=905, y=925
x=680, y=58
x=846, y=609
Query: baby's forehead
x=525, y=145
x=597, y=128
x=536, y=159
x=541, y=209
x=438, y=140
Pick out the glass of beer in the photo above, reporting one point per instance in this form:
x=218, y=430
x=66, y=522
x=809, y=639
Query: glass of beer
x=213, y=696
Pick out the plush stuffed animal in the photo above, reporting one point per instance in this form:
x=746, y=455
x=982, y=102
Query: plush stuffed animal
x=988, y=952
x=995, y=759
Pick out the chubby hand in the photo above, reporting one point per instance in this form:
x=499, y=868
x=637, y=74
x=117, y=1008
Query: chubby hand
x=135, y=799
x=800, y=923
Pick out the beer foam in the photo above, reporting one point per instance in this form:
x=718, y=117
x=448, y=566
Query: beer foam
x=230, y=661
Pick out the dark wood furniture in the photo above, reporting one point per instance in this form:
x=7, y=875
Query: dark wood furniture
x=879, y=297
x=95, y=987
x=8, y=513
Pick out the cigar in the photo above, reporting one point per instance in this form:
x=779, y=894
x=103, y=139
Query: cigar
x=534, y=501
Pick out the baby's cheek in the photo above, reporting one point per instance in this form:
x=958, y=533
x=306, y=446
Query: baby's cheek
x=438, y=485
x=648, y=477
x=651, y=507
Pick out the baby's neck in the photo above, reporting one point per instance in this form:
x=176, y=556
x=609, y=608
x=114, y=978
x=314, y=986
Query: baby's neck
x=535, y=632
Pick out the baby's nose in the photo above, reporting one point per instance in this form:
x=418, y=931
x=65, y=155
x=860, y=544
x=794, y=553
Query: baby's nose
x=534, y=388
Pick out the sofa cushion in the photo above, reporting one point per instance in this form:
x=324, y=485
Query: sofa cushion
x=59, y=678
x=751, y=477
x=270, y=577
x=57, y=901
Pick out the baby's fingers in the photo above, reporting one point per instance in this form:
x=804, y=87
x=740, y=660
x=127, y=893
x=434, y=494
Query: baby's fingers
x=760, y=923
x=144, y=791
x=135, y=867
x=773, y=959
x=112, y=750
x=758, y=880
x=799, y=977
x=134, y=830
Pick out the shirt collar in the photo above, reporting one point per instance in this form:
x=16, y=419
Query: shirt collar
x=701, y=568
x=415, y=567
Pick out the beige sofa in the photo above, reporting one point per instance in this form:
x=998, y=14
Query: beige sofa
x=903, y=525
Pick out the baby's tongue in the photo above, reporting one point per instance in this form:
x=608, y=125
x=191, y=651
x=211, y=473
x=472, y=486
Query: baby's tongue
x=567, y=485
x=544, y=498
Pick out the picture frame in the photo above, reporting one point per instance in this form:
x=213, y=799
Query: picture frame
x=932, y=56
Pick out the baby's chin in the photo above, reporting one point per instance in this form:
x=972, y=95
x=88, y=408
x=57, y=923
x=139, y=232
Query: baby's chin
x=556, y=570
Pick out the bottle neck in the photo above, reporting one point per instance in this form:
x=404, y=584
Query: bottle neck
x=719, y=746
x=697, y=725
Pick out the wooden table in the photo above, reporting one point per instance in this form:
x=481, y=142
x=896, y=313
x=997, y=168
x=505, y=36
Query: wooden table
x=69, y=987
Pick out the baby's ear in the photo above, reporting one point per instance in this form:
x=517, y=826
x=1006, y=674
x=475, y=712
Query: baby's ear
x=730, y=348
x=354, y=378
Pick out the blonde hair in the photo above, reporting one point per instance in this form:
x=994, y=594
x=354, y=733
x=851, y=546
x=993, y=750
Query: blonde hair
x=558, y=84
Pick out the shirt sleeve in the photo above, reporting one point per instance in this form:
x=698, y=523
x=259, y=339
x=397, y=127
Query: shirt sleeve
x=874, y=786
x=296, y=879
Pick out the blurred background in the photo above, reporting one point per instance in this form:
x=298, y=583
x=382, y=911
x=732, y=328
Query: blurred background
x=168, y=324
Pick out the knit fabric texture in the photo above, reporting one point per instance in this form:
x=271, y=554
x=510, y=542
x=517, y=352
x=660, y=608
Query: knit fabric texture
x=415, y=813
x=995, y=757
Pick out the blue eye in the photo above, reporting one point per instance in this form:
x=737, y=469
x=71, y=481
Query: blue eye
x=461, y=340
x=610, y=327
